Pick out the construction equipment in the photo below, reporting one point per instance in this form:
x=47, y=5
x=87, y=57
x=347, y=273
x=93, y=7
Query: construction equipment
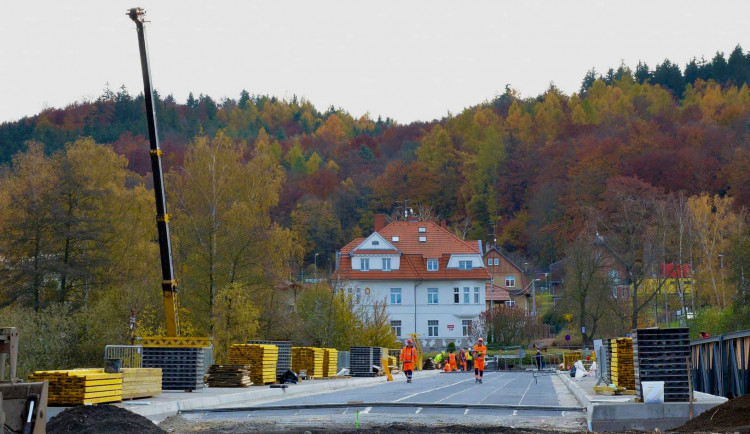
x=415, y=339
x=23, y=406
x=169, y=283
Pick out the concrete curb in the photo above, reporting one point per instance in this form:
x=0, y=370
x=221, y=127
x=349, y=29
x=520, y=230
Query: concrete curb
x=613, y=415
x=257, y=395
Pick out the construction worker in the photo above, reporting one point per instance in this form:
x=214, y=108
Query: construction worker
x=447, y=367
x=462, y=359
x=469, y=360
x=480, y=353
x=439, y=358
x=452, y=361
x=408, y=357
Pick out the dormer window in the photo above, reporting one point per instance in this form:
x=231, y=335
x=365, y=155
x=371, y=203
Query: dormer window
x=422, y=230
x=365, y=264
x=432, y=265
x=376, y=243
x=464, y=265
x=395, y=238
x=422, y=239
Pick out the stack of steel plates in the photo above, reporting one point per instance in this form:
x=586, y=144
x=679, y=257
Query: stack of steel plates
x=285, y=355
x=140, y=382
x=362, y=360
x=80, y=386
x=607, y=344
x=182, y=367
x=330, y=361
x=661, y=355
x=622, y=370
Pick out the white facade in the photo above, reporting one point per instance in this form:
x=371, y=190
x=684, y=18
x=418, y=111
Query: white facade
x=435, y=301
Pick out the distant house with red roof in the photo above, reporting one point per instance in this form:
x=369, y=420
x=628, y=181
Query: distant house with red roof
x=434, y=283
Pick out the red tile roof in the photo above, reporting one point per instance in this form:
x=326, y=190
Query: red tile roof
x=440, y=244
x=499, y=293
x=374, y=252
x=439, y=240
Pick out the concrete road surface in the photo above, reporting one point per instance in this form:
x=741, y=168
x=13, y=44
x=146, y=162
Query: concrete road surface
x=532, y=403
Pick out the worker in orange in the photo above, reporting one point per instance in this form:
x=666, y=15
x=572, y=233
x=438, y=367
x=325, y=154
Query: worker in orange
x=462, y=359
x=409, y=358
x=447, y=367
x=452, y=361
x=480, y=353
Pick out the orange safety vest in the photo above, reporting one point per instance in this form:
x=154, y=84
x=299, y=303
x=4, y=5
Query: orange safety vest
x=408, y=355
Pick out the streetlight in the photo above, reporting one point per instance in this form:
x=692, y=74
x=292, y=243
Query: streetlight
x=316, y=267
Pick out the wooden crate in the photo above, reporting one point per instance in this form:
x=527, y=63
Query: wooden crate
x=141, y=382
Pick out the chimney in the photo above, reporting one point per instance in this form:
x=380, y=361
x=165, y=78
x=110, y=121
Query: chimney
x=443, y=224
x=379, y=222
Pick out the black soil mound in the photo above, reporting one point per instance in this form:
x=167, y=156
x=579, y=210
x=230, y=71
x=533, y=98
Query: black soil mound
x=100, y=419
x=733, y=415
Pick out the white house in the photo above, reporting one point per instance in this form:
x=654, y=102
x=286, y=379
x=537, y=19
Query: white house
x=432, y=281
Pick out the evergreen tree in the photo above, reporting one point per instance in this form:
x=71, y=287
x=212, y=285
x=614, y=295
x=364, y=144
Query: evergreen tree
x=737, y=66
x=719, y=68
x=641, y=72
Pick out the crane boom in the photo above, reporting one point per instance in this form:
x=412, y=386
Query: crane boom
x=168, y=284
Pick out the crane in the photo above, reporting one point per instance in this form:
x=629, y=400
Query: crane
x=169, y=283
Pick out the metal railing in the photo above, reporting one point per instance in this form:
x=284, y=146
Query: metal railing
x=720, y=364
x=131, y=355
x=342, y=361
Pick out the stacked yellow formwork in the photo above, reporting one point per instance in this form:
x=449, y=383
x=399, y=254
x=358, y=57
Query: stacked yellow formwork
x=571, y=357
x=622, y=371
x=310, y=360
x=80, y=386
x=140, y=382
x=330, y=362
x=261, y=358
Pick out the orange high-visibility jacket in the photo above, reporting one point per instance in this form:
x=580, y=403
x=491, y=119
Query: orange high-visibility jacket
x=409, y=357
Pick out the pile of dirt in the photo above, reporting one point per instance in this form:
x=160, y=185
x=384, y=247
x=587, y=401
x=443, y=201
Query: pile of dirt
x=100, y=419
x=733, y=415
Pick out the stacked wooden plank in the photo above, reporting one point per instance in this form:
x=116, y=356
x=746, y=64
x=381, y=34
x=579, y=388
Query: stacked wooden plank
x=284, y=363
x=229, y=376
x=80, y=386
x=661, y=355
x=330, y=360
x=570, y=358
x=140, y=382
x=261, y=358
x=310, y=360
x=622, y=369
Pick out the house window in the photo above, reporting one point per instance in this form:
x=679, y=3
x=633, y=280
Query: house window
x=510, y=281
x=422, y=239
x=489, y=261
x=465, y=326
x=376, y=243
x=395, y=238
x=365, y=264
x=497, y=261
x=510, y=303
x=613, y=275
x=358, y=295
x=386, y=264
x=476, y=295
x=396, y=327
x=395, y=295
x=456, y=295
x=432, y=296
x=466, y=295
x=464, y=265
x=432, y=327
x=432, y=265
x=422, y=229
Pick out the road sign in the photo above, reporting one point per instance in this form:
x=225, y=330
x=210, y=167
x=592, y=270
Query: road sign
x=567, y=337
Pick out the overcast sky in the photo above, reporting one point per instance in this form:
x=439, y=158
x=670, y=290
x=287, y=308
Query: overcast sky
x=408, y=60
